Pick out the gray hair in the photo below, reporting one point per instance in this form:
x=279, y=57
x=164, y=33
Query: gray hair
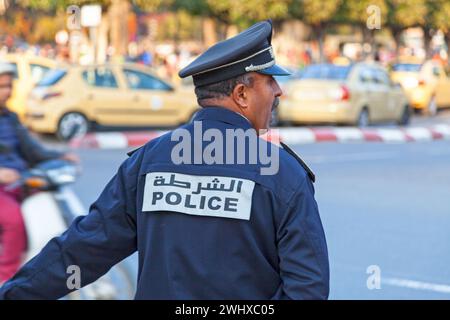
x=223, y=88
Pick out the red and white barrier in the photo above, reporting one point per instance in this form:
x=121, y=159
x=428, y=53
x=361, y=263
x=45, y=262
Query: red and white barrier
x=300, y=135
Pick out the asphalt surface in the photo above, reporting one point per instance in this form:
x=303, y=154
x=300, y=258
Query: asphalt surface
x=389, y=206
x=383, y=205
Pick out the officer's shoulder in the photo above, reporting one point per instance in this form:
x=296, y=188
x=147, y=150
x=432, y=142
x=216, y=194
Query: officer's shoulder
x=158, y=141
x=293, y=163
x=139, y=156
x=130, y=153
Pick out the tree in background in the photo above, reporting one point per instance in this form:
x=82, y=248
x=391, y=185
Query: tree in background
x=221, y=18
x=354, y=12
x=245, y=13
x=403, y=14
x=428, y=24
x=319, y=15
x=441, y=19
x=234, y=15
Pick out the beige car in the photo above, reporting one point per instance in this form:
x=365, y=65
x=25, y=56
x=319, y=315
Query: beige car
x=125, y=95
x=427, y=85
x=358, y=94
x=30, y=70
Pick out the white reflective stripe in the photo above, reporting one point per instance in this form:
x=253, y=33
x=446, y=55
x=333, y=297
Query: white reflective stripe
x=419, y=134
x=443, y=129
x=259, y=67
x=234, y=62
x=391, y=135
x=111, y=140
x=214, y=196
x=348, y=134
x=297, y=135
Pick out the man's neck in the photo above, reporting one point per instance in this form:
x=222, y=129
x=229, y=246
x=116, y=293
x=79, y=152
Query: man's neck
x=227, y=105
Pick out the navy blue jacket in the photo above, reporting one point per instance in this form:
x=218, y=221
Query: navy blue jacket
x=277, y=252
x=18, y=148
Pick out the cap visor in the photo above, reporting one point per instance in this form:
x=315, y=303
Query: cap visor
x=275, y=70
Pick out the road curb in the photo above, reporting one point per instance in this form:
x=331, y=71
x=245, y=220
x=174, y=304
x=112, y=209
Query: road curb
x=303, y=135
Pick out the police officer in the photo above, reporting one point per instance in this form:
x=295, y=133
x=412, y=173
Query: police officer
x=203, y=230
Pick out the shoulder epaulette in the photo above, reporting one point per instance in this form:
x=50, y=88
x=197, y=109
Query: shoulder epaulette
x=133, y=151
x=311, y=174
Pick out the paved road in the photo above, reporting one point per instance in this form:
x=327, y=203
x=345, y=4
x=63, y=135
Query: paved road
x=385, y=205
x=442, y=117
x=381, y=204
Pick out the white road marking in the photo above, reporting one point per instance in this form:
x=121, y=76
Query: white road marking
x=391, y=135
x=400, y=282
x=348, y=134
x=297, y=135
x=417, y=285
x=419, y=134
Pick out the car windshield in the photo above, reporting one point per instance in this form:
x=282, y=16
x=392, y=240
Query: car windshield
x=406, y=67
x=51, y=78
x=326, y=72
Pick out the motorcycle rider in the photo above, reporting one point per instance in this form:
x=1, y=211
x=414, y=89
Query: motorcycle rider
x=18, y=152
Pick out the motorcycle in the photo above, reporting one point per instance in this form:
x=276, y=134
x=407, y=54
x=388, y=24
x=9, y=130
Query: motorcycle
x=48, y=210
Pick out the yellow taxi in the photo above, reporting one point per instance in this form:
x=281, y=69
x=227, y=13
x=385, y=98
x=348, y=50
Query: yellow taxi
x=125, y=95
x=359, y=94
x=29, y=70
x=426, y=84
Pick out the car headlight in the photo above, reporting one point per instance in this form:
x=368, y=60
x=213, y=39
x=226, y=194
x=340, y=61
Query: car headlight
x=61, y=176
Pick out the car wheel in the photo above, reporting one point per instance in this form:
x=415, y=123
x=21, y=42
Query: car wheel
x=405, y=117
x=71, y=125
x=363, y=118
x=431, y=109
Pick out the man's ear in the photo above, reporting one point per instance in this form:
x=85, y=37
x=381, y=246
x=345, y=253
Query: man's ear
x=240, y=95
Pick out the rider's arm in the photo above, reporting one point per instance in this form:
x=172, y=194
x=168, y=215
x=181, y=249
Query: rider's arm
x=32, y=151
x=93, y=243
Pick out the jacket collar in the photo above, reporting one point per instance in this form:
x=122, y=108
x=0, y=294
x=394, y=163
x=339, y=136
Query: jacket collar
x=223, y=115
